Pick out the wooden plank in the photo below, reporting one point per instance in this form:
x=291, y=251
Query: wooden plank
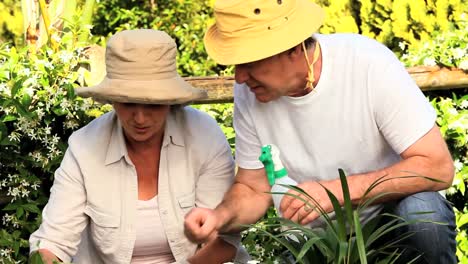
x=220, y=89
x=437, y=78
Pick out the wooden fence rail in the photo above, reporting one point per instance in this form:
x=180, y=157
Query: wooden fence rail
x=220, y=89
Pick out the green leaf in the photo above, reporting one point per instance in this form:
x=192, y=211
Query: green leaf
x=26, y=100
x=19, y=212
x=3, y=131
x=8, y=118
x=16, y=87
x=359, y=238
x=10, y=207
x=306, y=247
x=31, y=208
x=340, y=219
x=346, y=196
x=35, y=258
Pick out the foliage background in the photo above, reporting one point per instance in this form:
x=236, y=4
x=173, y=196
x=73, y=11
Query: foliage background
x=38, y=109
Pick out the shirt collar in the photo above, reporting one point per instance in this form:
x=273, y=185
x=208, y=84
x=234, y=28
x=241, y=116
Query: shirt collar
x=173, y=134
x=175, y=128
x=116, y=148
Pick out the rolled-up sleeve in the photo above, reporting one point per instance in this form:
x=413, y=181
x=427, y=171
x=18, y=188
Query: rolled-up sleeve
x=216, y=175
x=63, y=218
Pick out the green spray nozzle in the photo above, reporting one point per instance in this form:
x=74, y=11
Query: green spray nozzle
x=268, y=159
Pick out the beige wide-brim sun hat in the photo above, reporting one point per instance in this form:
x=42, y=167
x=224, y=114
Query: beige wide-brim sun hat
x=247, y=31
x=141, y=68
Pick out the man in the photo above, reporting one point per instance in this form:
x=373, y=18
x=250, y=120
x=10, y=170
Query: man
x=327, y=102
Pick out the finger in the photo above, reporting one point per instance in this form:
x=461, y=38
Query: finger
x=287, y=200
x=198, y=225
x=194, y=225
x=304, y=213
x=292, y=209
x=309, y=218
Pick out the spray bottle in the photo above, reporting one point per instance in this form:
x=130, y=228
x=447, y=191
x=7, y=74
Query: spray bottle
x=276, y=173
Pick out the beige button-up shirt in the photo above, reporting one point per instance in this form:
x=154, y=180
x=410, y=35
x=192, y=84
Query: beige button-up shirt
x=90, y=216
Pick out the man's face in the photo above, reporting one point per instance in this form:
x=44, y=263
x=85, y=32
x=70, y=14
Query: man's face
x=268, y=78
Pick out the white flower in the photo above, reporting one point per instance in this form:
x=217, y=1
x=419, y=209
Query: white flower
x=14, y=136
x=56, y=38
x=6, y=252
x=464, y=64
x=402, y=45
x=457, y=124
x=14, y=192
x=3, y=183
x=458, y=165
x=49, y=65
x=24, y=71
x=47, y=130
x=65, y=56
x=4, y=88
x=29, y=90
x=25, y=193
x=65, y=104
x=458, y=53
x=429, y=62
x=71, y=124
x=464, y=104
x=6, y=219
x=35, y=185
x=55, y=139
x=40, y=113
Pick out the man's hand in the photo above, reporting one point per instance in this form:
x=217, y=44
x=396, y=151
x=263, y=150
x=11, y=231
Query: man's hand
x=201, y=225
x=304, y=213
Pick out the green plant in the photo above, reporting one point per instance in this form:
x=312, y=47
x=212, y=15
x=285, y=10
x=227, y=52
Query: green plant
x=38, y=111
x=344, y=239
x=449, y=49
x=185, y=21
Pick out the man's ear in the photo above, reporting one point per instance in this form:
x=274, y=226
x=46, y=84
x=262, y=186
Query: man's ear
x=296, y=52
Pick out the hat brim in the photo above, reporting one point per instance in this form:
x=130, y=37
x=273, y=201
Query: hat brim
x=234, y=50
x=169, y=92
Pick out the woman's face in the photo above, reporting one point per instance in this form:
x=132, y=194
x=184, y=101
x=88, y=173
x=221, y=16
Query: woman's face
x=142, y=122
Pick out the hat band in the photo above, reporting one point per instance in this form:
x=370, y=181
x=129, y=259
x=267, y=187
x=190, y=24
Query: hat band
x=149, y=76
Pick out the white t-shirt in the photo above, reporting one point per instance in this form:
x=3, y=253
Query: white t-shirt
x=364, y=112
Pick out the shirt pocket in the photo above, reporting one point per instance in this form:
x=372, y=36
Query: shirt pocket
x=186, y=202
x=103, y=228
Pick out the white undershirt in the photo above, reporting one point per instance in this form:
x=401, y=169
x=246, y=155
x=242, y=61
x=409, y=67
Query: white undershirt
x=151, y=246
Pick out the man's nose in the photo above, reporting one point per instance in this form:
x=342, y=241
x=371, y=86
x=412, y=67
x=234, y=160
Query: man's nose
x=139, y=115
x=241, y=74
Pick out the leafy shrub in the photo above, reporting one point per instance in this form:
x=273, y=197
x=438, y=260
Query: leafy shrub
x=185, y=21
x=450, y=49
x=394, y=21
x=38, y=111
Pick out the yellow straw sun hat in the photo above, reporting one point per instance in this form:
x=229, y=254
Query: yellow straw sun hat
x=141, y=68
x=247, y=31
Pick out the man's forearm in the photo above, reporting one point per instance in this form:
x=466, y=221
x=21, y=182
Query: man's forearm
x=241, y=205
x=216, y=251
x=402, y=179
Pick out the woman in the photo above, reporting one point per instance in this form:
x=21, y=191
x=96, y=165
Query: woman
x=129, y=177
